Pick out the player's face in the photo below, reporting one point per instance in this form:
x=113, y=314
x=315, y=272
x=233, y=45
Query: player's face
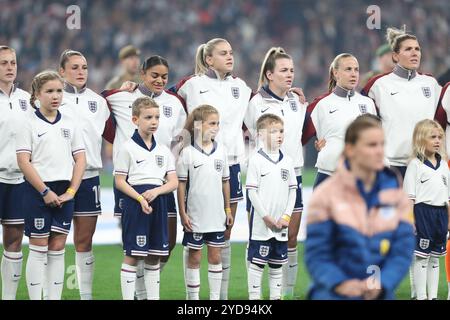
x=155, y=78
x=347, y=75
x=50, y=95
x=409, y=54
x=273, y=136
x=8, y=66
x=131, y=64
x=282, y=75
x=210, y=127
x=75, y=71
x=221, y=58
x=368, y=151
x=433, y=142
x=148, y=121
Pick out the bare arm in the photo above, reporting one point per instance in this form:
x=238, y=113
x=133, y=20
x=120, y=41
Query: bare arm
x=169, y=186
x=77, y=176
x=226, y=200
x=122, y=185
x=181, y=194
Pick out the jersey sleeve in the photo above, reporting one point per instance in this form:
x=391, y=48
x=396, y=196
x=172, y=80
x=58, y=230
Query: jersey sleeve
x=292, y=178
x=253, y=177
x=226, y=168
x=24, y=139
x=77, y=142
x=170, y=162
x=438, y=89
x=249, y=119
x=122, y=162
x=183, y=166
x=409, y=183
x=181, y=120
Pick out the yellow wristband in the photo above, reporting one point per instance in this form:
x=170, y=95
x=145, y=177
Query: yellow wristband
x=71, y=191
x=140, y=198
x=227, y=210
x=286, y=218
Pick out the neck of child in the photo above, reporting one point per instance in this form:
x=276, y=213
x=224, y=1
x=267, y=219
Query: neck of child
x=146, y=137
x=6, y=87
x=271, y=150
x=431, y=156
x=205, y=144
x=278, y=91
x=49, y=114
x=365, y=175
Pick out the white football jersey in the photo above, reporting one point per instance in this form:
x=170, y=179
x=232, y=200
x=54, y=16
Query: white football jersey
x=446, y=106
x=403, y=98
x=14, y=109
x=51, y=145
x=426, y=184
x=90, y=111
x=205, y=174
x=143, y=165
x=272, y=180
x=291, y=110
x=230, y=97
x=171, y=121
x=331, y=116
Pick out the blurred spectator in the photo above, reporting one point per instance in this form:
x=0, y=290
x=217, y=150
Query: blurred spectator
x=129, y=60
x=384, y=61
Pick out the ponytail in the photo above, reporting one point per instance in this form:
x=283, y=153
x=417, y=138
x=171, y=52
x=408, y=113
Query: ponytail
x=268, y=64
x=204, y=50
x=334, y=66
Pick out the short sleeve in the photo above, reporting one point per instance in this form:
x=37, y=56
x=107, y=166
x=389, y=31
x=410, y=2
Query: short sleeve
x=409, y=183
x=183, y=165
x=170, y=162
x=253, y=177
x=249, y=119
x=226, y=168
x=122, y=162
x=24, y=138
x=292, y=178
x=77, y=142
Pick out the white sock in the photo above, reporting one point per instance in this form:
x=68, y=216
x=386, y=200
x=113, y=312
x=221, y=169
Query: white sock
x=162, y=265
x=11, y=268
x=420, y=277
x=290, y=270
x=44, y=283
x=275, y=281
x=411, y=280
x=433, y=278
x=226, y=267
x=85, y=273
x=128, y=281
x=141, y=293
x=151, y=276
x=35, y=269
x=193, y=283
x=214, y=280
x=254, y=279
x=448, y=290
x=185, y=259
x=247, y=263
x=55, y=274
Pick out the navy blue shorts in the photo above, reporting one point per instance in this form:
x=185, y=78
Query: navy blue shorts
x=195, y=240
x=298, y=199
x=87, y=199
x=320, y=177
x=144, y=234
x=11, y=203
x=118, y=201
x=235, y=183
x=270, y=251
x=401, y=170
x=41, y=219
x=171, y=206
x=431, y=230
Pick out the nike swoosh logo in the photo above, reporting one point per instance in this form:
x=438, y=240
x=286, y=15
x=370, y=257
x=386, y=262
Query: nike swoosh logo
x=255, y=287
x=58, y=283
x=423, y=181
x=278, y=285
x=16, y=275
x=139, y=161
x=221, y=237
x=139, y=277
x=97, y=205
x=333, y=111
x=263, y=175
x=292, y=265
x=434, y=267
x=393, y=93
x=262, y=111
x=195, y=167
x=165, y=245
x=66, y=223
x=89, y=263
x=128, y=281
x=130, y=107
x=40, y=135
x=201, y=92
x=34, y=284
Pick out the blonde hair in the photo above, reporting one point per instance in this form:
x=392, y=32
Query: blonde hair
x=205, y=50
x=422, y=132
x=269, y=61
x=142, y=103
x=201, y=113
x=266, y=120
x=2, y=47
x=38, y=82
x=395, y=37
x=335, y=66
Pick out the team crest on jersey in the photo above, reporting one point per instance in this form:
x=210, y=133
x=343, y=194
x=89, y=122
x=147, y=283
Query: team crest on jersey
x=167, y=111
x=284, y=174
x=444, y=179
x=218, y=165
x=235, y=92
x=39, y=223
x=293, y=105
x=159, y=161
x=92, y=106
x=424, y=244
x=362, y=108
x=197, y=236
x=264, y=251
x=426, y=92
x=141, y=241
x=65, y=133
x=23, y=104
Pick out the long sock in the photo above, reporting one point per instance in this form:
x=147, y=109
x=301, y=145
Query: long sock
x=162, y=265
x=290, y=270
x=185, y=259
x=128, y=281
x=254, y=280
x=44, y=282
x=55, y=274
x=35, y=269
x=151, y=275
x=85, y=273
x=420, y=277
x=226, y=267
x=411, y=280
x=141, y=292
x=275, y=281
x=447, y=268
x=193, y=283
x=433, y=278
x=214, y=280
x=11, y=268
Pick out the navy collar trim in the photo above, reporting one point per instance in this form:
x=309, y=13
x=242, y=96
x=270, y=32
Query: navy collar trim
x=143, y=88
x=343, y=93
x=213, y=74
x=72, y=89
x=404, y=73
x=265, y=155
x=140, y=142
x=271, y=93
x=43, y=118
x=196, y=146
x=438, y=162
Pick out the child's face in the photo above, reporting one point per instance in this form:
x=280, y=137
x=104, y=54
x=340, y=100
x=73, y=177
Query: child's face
x=50, y=95
x=433, y=142
x=273, y=135
x=147, y=121
x=210, y=127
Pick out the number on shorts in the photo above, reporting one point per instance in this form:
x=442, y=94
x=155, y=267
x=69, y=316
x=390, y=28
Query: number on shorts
x=96, y=190
x=239, y=182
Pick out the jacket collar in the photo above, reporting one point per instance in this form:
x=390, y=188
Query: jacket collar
x=143, y=88
x=343, y=93
x=72, y=89
x=213, y=74
x=404, y=73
